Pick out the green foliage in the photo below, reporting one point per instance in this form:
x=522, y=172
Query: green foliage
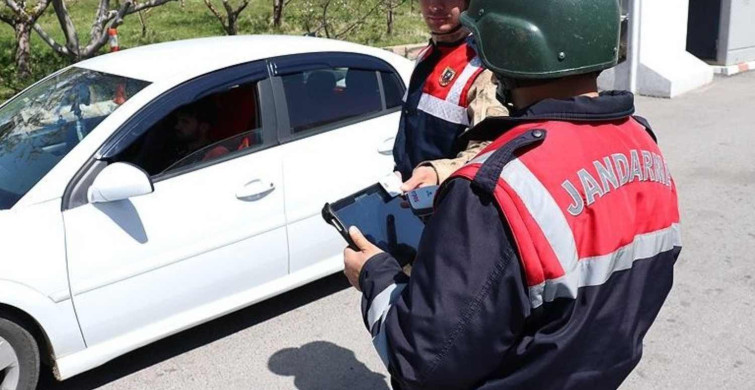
x=44, y=61
x=173, y=22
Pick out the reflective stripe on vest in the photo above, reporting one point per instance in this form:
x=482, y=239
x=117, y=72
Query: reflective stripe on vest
x=449, y=102
x=421, y=56
x=588, y=202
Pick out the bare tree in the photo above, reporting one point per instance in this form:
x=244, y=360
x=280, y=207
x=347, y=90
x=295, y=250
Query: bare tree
x=391, y=6
x=22, y=15
x=336, y=18
x=106, y=17
x=278, y=12
x=231, y=15
x=143, y=21
x=278, y=7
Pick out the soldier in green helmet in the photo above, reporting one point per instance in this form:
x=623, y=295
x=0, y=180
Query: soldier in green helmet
x=558, y=42
x=550, y=254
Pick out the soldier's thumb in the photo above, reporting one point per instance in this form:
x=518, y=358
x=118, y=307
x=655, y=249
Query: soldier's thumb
x=359, y=239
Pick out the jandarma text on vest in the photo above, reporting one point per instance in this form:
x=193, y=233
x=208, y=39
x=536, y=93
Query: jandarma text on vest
x=616, y=171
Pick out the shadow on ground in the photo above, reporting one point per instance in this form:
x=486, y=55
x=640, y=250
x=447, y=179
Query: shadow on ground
x=205, y=334
x=323, y=365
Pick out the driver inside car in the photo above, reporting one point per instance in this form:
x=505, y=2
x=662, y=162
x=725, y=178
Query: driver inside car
x=193, y=129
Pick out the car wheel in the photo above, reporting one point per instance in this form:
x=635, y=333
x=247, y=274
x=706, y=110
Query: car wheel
x=19, y=358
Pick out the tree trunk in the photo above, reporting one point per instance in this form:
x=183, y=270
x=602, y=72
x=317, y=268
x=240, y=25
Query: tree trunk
x=390, y=19
x=143, y=23
x=277, y=12
x=231, y=29
x=23, y=50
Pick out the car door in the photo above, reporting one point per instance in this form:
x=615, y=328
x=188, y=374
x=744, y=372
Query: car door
x=205, y=241
x=339, y=135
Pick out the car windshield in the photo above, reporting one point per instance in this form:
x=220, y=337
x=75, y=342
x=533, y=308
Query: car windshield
x=41, y=125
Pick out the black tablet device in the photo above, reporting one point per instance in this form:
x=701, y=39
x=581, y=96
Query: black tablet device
x=388, y=222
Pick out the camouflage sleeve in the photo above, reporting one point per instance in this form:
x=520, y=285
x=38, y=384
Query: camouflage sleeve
x=482, y=100
x=444, y=168
x=482, y=103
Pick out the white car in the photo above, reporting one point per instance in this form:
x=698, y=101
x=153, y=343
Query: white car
x=147, y=191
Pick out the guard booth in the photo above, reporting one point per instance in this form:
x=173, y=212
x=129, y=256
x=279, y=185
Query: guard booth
x=722, y=32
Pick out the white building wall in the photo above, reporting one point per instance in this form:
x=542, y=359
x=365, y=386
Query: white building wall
x=666, y=68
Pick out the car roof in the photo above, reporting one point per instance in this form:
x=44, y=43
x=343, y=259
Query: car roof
x=177, y=61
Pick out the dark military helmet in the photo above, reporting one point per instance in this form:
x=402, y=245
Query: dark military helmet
x=545, y=39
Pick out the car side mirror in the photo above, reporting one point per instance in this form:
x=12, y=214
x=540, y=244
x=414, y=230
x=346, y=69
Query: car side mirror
x=119, y=181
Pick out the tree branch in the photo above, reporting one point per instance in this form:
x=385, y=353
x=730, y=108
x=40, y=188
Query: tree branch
x=143, y=22
x=242, y=7
x=97, y=42
x=325, y=18
x=359, y=21
x=7, y=20
x=228, y=8
x=66, y=24
x=39, y=9
x=18, y=10
x=99, y=18
x=48, y=39
x=215, y=12
x=20, y=13
x=396, y=5
x=115, y=19
x=228, y=21
x=149, y=4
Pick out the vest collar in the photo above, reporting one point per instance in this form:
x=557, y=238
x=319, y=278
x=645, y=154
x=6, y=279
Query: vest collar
x=609, y=106
x=450, y=44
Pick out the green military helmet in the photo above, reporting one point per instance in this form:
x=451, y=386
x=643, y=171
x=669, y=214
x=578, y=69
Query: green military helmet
x=545, y=39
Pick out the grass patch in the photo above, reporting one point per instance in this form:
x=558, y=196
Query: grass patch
x=172, y=22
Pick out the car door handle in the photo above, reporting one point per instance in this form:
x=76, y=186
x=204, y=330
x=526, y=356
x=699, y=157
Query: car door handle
x=387, y=146
x=255, y=190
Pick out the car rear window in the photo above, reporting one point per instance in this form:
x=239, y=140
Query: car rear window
x=393, y=88
x=320, y=97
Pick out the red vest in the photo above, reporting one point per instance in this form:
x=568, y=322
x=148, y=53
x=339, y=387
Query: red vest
x=444, y=92
x=435, y=105
x=590, y=200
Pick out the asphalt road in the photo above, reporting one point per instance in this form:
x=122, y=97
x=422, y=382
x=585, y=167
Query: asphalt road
x=313, y=337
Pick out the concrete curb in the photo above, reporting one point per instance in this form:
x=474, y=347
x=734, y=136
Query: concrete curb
x=731, y=70
x=407, y=51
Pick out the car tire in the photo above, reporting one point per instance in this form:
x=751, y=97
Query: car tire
x=19, y=357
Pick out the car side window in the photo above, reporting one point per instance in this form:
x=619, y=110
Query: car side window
x=319, y=97
x=211, y=128
x=393, y=88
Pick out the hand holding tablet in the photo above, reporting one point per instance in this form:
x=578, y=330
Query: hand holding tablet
x=387, y=221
